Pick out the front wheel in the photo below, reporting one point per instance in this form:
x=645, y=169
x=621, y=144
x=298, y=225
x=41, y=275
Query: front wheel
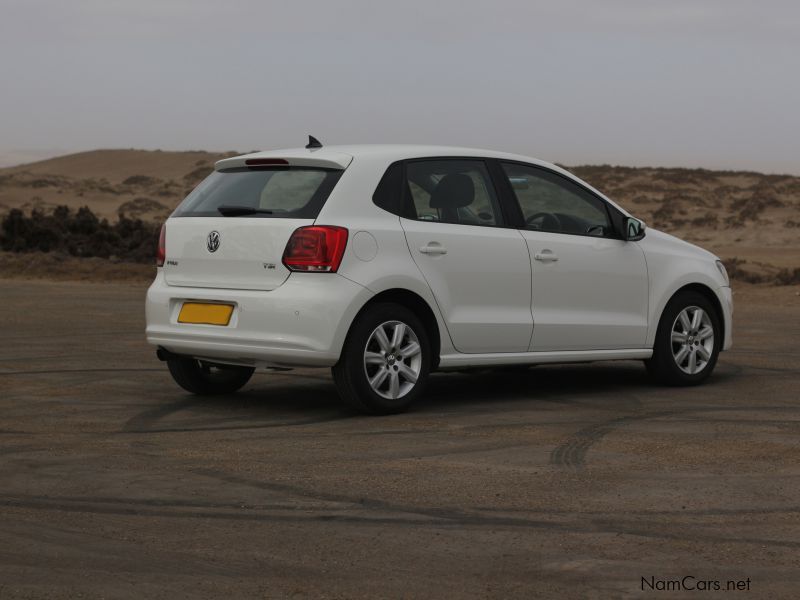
x=687, y=342
x=207, y=379
x=385, y=360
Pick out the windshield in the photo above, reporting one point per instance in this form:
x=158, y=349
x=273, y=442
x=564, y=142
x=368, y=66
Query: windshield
x=273, y=192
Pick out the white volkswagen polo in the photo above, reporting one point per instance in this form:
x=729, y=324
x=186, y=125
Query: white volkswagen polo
x=386, y=263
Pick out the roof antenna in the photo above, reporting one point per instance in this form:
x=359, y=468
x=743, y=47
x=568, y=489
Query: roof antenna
x=313, y=142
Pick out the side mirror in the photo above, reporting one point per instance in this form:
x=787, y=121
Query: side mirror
x=634, y=229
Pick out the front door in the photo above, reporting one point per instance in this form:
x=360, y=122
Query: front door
x=590, y=289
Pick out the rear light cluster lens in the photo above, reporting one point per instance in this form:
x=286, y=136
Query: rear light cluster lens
x=161, y=253
x=315, y=249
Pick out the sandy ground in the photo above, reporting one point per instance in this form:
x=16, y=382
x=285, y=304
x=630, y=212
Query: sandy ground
x=564, y=481
x=62, y=267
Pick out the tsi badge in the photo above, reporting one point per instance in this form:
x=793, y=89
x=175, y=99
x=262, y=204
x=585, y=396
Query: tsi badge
x=212, y=241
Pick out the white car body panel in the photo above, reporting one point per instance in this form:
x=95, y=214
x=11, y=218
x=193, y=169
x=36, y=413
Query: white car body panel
x=482, y=283
x=673, y=264
x=600, y=301
x=302, y=322
x=391, y=268
x=589, y=293
x=248, y=256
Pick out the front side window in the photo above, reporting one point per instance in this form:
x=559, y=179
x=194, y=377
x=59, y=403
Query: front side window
x=552, y=203
x=452, y=191
x=287, y=192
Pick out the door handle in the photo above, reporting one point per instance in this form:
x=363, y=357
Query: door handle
x=433, y=248
x=545, y=256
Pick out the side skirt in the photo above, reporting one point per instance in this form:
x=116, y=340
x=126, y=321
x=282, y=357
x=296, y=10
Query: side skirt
x=459, y=361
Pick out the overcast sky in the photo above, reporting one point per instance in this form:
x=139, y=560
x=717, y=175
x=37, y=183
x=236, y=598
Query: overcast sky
x=711, y=83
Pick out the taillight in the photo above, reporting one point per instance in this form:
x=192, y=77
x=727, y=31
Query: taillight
x=161, y=253
x=315, y=249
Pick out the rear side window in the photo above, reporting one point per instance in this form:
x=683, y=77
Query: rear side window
x=388, y=193
x=452, y=191
x=275, y=192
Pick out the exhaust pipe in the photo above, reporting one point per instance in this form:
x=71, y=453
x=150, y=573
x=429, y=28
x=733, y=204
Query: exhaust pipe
x=164, y=355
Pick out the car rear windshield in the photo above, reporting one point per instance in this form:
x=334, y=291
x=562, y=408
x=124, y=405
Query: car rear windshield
x=272, y=192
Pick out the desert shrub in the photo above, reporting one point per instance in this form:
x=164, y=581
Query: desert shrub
x=91, y=184
x=788, y=276
x=42, y=182
x=139, y=206
x=682, y=177
x=751, y=209
x=791, y=187
x=665, y=214
x=140, y=180
x=197, y=175
x=645, y=187
x=31, y=180
x=708, y=220
x=737, y=272
x=79, y=233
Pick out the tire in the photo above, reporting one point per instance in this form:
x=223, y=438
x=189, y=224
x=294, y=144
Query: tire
x=208, y=379
x=395, y=390
x=690, y=358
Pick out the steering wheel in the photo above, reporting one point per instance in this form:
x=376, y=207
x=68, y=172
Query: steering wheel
x=546, y=221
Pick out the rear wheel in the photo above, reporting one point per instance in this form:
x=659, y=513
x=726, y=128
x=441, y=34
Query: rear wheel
x=687, y=341
x=205, y=378
x=385, y=360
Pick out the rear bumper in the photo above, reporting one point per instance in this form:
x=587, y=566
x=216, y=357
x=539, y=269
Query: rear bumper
x=301, y=323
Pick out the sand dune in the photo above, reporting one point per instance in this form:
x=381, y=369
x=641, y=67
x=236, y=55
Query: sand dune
x=751, y=219
x=143, y=184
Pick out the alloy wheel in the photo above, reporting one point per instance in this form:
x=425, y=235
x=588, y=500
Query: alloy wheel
x=692, y=340
x=392, y=359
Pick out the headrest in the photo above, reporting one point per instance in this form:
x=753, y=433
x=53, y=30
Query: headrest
x=455, y=190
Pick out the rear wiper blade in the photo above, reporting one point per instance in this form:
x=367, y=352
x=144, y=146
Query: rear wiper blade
x=239, y=211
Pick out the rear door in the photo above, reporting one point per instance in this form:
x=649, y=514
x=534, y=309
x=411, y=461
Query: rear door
x=477, y=269
x=243, y=250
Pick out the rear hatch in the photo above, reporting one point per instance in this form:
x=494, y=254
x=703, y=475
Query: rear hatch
x=231, y=231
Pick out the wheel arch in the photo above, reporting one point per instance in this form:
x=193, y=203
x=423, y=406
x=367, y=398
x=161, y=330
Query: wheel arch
x=707, y=293
x=416, y=304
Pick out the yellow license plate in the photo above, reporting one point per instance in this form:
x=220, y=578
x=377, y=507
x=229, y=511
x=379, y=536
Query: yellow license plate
x=205, y=314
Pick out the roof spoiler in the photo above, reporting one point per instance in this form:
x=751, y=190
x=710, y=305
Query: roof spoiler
x=291, y=158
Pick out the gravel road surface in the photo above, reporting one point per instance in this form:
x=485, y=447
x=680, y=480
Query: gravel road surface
x=568, y=481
